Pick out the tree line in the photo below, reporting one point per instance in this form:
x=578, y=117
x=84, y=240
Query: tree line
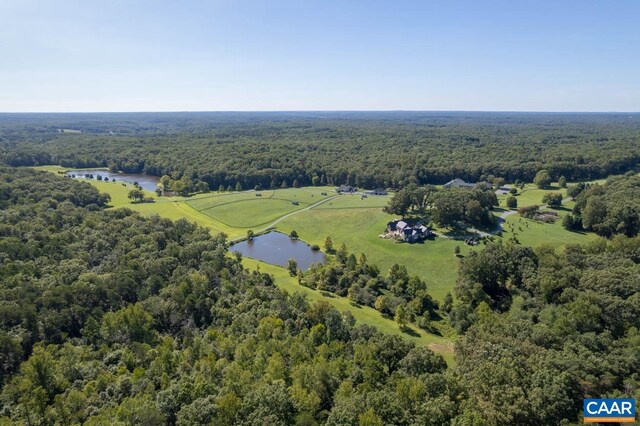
x=360, y=149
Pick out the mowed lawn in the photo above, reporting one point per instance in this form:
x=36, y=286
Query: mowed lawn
x=251, y=213
x=534, y=233
x=530, y=195
x=359, y=229
x=253, y=209
x=356, y=202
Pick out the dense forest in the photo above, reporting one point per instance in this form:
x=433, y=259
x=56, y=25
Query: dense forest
x=111, y=318
x=609, y=209
x=271, y=150
x=545, y=329
x=107, y=317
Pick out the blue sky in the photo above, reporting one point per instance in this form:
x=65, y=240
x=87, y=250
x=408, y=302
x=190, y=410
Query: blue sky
x=117, y=55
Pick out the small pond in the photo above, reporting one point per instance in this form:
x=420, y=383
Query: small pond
x=147, y=183
x=277, y=248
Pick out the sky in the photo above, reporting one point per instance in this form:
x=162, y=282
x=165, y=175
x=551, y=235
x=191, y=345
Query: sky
x=275, y=55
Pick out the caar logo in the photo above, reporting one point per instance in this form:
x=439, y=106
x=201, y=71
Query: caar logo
x=609, y=410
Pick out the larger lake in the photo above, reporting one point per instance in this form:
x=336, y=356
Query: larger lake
x=277, y=248
x=147, y=183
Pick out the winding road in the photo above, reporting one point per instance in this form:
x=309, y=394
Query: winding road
x=502, y=218
x=499, y=227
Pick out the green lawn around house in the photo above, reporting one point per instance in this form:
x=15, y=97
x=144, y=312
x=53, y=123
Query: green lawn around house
x=359, y=229
x=531, y=195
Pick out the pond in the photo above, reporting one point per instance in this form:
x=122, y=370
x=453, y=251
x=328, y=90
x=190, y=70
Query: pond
x=147, y=183
x=277, y=248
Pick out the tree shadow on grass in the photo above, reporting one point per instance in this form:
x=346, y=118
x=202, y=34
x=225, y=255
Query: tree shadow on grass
x=561, y=208
x=410, y=331
x=455, y=232
x=577, y=231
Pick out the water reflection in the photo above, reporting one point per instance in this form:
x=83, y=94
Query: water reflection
x=147, y=183
x=277, y=248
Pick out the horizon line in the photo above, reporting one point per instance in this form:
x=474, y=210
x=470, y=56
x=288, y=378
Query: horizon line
x=324, y=111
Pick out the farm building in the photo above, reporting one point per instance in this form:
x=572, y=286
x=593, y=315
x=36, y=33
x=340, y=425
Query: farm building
x=459, y=183
x=378, y=191
x=346, y=189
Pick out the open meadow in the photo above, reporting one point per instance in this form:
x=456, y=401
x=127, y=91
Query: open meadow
x=352, y=220
x=256, y=208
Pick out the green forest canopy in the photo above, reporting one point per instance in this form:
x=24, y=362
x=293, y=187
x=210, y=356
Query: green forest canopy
x=609, y=209
x=109, y=317
x=363, y=149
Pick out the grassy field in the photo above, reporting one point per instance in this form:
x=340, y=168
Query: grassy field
x=251, y=213
x=355, y=202
x=359, y=230
x=530, y=195
x=170, y=207
x=348, y=219
x=534, y=233
x=254, y=209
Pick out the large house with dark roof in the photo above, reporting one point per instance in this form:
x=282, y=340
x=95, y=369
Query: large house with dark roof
x=410, y=233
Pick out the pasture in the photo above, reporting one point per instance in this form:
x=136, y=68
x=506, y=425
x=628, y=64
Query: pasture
x=355, y=202
x=348, y=219
x=254, y=209
x=531, y=195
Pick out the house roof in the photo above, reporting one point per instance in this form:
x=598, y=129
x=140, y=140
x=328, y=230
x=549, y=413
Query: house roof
x=346, y=188
x=459, y=182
